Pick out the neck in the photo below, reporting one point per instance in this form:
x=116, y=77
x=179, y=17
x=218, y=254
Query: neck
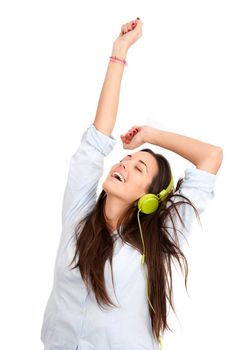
x=113, y=209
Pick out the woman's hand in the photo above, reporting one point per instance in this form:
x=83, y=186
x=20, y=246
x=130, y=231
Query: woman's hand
x=135, y=137
x=130, y=32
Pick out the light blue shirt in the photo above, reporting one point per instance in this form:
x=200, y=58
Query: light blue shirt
x=72, y=318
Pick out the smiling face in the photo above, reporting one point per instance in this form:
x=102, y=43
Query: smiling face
x=137, y=170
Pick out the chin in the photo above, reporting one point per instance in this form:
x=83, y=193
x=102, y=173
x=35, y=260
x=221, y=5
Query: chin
x=111, y=188
x=107, y=187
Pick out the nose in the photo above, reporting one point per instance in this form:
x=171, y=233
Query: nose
x=122, y=165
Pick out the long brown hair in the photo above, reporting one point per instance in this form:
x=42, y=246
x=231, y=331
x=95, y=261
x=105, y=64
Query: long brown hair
x=94, y=245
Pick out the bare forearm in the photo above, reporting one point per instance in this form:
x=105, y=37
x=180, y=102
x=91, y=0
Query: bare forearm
x=204, y=155
x=109, y=97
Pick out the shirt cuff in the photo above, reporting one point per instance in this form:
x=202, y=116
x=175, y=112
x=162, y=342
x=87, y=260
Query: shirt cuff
x=103, y=143
x=200, y=179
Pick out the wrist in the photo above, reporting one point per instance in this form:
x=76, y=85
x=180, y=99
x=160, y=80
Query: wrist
x=150, y=135
x=119, y=50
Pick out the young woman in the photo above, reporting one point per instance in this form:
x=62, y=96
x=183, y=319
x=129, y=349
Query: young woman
x=100, y=299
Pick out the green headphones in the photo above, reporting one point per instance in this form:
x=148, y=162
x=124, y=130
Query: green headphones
x=148, y=204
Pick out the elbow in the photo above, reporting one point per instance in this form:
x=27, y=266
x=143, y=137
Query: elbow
x=213, y=162
x=218, y=156
x=216, y=159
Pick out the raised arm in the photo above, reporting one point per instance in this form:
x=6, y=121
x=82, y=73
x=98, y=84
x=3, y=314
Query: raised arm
x=87, y=163
x=203, y=155
x=109, y=97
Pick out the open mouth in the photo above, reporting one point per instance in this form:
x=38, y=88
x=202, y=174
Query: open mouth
x=118, y=177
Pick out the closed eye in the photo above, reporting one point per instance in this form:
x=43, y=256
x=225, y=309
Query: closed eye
x=136, y=168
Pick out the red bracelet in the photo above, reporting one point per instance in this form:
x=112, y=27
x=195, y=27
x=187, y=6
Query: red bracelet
x=114, y=59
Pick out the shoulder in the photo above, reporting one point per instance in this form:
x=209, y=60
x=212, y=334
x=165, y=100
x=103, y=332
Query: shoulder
x=198, y=186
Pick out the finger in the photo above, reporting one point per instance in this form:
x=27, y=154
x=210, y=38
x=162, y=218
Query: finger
x=125, y=140
x=129, y=137
x=123, y=29
x=135, y=128
x=126, y=28
x=129, y=27
x=132, y=132
x=133, y=24
x=138, y=27
x=139, y=21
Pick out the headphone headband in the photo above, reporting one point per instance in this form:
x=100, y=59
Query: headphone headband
x=164, y=193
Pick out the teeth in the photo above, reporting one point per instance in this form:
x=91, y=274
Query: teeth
x=120, y=176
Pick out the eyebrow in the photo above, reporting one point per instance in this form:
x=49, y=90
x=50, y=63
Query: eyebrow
x=141, y=161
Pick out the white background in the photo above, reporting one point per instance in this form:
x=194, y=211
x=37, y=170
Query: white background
x=54, y=56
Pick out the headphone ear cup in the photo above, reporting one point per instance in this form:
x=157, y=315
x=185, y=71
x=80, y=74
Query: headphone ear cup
x=148, y=203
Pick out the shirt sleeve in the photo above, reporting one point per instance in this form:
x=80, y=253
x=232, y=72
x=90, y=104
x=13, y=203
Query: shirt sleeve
x=198, y=187
x=85, y=169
